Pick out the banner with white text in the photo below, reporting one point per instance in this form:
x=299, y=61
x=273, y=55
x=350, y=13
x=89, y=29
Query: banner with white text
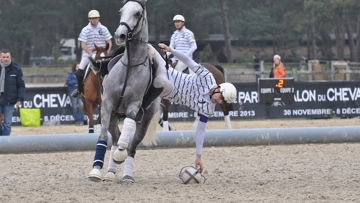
x=311, y=100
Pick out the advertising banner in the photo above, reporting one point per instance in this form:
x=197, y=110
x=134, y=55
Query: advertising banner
x=311, y=100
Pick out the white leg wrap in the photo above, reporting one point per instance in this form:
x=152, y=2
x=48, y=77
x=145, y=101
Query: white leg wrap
x=165, y=125
x=112, y=165
x=127, y=129
x=227, y=122
x=195, y=124
x=128, y=166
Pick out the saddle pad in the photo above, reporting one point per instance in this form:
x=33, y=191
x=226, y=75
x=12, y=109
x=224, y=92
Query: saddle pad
x=30, y=116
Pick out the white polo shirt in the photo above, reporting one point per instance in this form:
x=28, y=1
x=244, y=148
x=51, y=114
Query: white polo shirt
x=181, y=41
x=90, y=35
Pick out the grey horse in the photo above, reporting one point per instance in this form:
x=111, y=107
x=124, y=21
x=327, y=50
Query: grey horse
x=128, y=93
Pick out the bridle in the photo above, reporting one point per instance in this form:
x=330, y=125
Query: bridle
x=130, y=38
x=130, y=35
x=131, y=31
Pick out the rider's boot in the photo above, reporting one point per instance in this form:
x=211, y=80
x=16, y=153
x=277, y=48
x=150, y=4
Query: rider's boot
x=79, y=77
x=100, y=66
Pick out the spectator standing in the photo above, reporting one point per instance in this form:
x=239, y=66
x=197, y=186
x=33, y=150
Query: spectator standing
x=12, y=89
x=76, y=102
x=278, y=67
x=93, y=33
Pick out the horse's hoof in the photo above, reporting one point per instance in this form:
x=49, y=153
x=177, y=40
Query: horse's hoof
x=128, y=179
x=109, y=177
x=120, y=156
x=95, y=175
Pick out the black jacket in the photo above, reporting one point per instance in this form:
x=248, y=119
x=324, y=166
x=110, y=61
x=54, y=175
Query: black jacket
x=14, y=85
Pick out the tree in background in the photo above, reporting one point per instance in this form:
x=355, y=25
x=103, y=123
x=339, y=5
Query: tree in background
x=35, y=27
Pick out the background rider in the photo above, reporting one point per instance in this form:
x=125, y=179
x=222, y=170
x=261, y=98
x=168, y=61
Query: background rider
x=93, y=33
x=182, y=40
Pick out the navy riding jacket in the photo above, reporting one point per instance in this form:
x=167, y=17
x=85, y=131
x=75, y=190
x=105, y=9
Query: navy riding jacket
x=14, y=85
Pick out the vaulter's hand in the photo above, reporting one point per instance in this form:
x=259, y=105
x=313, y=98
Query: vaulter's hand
x=198, y=163
x=163, y=47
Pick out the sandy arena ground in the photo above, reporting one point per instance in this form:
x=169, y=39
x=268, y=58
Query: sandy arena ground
x=295, y=173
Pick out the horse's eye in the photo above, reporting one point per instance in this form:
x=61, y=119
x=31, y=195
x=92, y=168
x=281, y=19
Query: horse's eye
x=137, y=14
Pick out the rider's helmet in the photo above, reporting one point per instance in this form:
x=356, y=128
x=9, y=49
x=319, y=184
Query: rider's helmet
x=94, y=14
x=228, y=92
x=179, y=17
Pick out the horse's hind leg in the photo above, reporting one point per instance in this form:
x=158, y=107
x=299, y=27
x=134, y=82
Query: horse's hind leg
x=164, y=122
x=98, y=121
x=112, y=166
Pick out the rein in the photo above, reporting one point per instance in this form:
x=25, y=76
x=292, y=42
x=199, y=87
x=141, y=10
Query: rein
x=127, y=44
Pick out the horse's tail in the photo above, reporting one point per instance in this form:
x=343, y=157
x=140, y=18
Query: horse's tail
x=150, y=136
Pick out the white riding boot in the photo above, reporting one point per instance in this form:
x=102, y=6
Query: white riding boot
x=165, y=126
x=227, y=122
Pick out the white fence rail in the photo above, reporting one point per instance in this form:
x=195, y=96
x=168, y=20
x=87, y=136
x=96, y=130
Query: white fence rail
x=302, y=71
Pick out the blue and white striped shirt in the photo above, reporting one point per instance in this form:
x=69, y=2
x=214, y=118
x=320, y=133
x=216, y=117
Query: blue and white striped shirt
x=193, y=90
x=91, y=35
x=181, y=41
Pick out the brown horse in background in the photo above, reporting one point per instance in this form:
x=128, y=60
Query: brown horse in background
x=218, y=73
x=91, y=95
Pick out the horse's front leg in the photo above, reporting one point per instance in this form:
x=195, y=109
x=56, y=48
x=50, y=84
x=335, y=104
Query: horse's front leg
x=112, y=166
x=90, y=114
x=129, y=125
x=101, y=146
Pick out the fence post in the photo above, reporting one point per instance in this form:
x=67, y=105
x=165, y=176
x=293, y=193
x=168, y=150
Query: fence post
x=261, y=68
x=295, y=73
x=33, y=67
x=310, y=70
x=225, y=74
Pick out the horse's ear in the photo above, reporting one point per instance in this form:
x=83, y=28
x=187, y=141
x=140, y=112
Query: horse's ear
x=107, y=46
x=95, y=47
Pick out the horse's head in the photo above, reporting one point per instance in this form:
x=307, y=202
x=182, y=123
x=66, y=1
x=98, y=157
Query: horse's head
x=132, y=19
x=101, y=51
